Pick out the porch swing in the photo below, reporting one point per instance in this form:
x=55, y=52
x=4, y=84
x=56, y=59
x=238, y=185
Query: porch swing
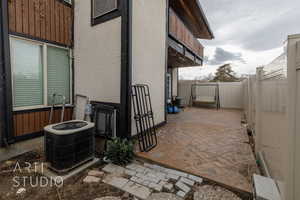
x=205, y=95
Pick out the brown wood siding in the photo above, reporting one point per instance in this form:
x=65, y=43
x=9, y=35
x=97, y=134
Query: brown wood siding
x=179, y=31
x=49, y=20
x=34, y=121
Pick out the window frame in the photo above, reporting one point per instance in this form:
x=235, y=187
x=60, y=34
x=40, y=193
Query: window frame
x=107, y=16
x=44, y=46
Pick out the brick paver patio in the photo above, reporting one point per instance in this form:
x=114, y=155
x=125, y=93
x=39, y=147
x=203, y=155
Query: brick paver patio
x=209, y=143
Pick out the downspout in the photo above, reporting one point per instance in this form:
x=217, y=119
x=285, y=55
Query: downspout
x=126, y=69
x=166, y=57
x=7, y=129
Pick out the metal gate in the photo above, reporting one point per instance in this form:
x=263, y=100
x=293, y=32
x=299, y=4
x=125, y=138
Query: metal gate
x=144, y=118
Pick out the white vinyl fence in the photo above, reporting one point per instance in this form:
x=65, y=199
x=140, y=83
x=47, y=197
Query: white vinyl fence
x=231, y=93
x=266, y=112
x=272, y=109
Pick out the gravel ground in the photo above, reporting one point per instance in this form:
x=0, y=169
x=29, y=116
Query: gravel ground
x=211, y=192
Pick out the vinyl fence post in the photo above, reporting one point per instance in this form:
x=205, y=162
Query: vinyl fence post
x=293, y=108
x=249, y=106
x=258, y=102
x=248, y=100
x=251, y=102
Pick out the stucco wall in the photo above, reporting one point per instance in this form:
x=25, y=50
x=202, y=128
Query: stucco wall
x=97, y=55
x=148, y=51
x=174, y=82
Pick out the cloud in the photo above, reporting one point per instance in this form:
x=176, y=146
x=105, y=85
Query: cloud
x=255, y=25
x=222, y=56
x=251, y=33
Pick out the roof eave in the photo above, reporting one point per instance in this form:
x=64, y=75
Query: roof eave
x=204, y=18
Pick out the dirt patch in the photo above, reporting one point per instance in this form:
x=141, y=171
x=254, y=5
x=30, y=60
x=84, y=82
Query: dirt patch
x=73, y=188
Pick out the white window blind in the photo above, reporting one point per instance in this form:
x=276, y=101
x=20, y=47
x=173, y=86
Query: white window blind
x=27, y=73
x=58, y=72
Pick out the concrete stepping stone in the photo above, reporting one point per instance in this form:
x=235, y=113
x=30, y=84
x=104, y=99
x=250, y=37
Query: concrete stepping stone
x=157, y=187
x=108, y=198
x=117, y=182
x=163, y=196
x=113, y=169
x=137, y=190
x=130, y=172
x=175, y=172
x=195, y=178
x=173, y=177
x=181, y=194
x=168, y=186
x=95, y=173
x=183, y=187
x=91, y=179
x=187, y=181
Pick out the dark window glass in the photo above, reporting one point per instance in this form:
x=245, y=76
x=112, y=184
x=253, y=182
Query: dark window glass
x=102, y=7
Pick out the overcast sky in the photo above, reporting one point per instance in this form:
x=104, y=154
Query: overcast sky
x=248, y=33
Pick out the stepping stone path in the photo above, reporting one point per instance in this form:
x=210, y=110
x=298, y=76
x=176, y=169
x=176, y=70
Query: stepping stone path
x=141, y=180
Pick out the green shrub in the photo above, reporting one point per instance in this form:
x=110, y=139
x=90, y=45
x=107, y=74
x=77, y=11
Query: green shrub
x=119, y=151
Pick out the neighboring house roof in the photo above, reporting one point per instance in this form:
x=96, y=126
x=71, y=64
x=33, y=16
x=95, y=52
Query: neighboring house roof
x=194, y=17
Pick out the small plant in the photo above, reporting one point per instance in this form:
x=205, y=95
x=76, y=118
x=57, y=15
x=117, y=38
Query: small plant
x=119, y=151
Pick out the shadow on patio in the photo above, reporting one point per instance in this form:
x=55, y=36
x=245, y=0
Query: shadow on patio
x=209, y=143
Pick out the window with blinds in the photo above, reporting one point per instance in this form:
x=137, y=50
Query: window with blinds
x=102, y=7
x=38, y=71
x=27, y=73
x=58, y=72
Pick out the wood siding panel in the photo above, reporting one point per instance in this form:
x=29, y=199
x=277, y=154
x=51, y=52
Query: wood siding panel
x=43, y=13
x=179, y=31
x=49, y=20
x=25, y=16
x=61, y=24
x=69, y=25
x=64, y=22
x=11, y=15
x=52, y=24
x=56, y=11
x=19, y=21
x=31, y=18
x=37, y=21
x=19, y=126
x=33, y=122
